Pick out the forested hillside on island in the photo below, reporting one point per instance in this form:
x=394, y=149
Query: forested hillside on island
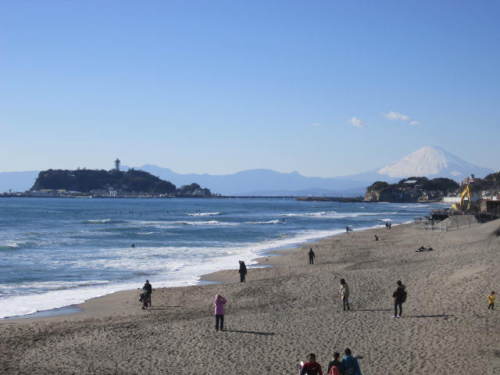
x=98, y=181
x=413, y=189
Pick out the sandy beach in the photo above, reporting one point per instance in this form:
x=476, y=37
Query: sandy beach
x=286, y=311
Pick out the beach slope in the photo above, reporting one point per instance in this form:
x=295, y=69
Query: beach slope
x=286, y=311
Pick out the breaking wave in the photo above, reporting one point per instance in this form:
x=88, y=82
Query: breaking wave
x=204, y=214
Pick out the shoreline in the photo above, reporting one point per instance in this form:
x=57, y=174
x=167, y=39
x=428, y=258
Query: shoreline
x=262, y=260
x=290, y=308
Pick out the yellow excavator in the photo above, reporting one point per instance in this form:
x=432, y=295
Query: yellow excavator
x=465, y=199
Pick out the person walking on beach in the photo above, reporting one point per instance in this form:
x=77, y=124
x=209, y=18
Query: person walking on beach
x=399, y=296
x=344, y=294
x=219, y=303
x=335, y=366
x=491, y=301
x=311, y=367
x=242, y=271
x=311, y=256
x=350, y=365
x=147, y=291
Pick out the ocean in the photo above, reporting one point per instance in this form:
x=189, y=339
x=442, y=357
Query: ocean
x=60, y=252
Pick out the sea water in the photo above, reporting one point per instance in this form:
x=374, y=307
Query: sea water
x=59, y=252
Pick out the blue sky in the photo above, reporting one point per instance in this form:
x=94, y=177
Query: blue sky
x=325, y=88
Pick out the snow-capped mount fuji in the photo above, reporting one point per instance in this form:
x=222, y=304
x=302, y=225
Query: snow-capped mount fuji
x=426, y=162
x=433, y=162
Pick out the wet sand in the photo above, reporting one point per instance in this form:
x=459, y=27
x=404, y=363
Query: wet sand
x=286, y=311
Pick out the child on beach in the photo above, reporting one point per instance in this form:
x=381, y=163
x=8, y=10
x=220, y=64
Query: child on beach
x=311, y=367
x=219, y=303
x=491, y=301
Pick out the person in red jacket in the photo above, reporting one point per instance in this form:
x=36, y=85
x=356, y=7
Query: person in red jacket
x=312, y=367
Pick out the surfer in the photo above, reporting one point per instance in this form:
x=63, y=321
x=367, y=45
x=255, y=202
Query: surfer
x=219, y=303
x=311, y=256
x=242, y=271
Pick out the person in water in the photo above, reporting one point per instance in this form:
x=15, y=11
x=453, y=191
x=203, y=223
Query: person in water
x=350, y=364
x=311, y=367
x=311, y=256
x=219, y=303
x=242, y=271
x=399, y=296
x=344, y=294
x=147, y=291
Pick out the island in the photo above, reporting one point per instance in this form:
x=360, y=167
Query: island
x=113, y=183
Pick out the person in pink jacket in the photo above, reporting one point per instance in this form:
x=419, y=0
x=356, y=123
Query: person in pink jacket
x=219, y=303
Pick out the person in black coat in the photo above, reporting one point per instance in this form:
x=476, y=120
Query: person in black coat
x=147, y=290
x=311, y=256
x=399, y=296
x=242, y=271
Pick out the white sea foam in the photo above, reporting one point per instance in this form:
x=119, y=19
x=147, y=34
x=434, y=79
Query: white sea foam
x=335, y=215
x=173, y=224
x=28, y=304
x=204, y=214
x=97, y=221
x=9, y=245
x=208, y=222
x=15, y=244
x=152, y=223
x=190, y=264
x=52, y=285
x=275, y=221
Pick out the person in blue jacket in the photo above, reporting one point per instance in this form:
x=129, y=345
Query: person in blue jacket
x=350, y=365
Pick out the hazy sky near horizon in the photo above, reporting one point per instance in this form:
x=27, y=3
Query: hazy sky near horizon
x=322, y=87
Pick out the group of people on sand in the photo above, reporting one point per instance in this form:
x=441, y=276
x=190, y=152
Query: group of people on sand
x=399, y=297
x=348, y=365
x=399, y=294
x=219, y=302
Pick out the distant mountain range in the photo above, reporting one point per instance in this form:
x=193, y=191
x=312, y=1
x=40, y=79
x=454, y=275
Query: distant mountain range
x=427, y=161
